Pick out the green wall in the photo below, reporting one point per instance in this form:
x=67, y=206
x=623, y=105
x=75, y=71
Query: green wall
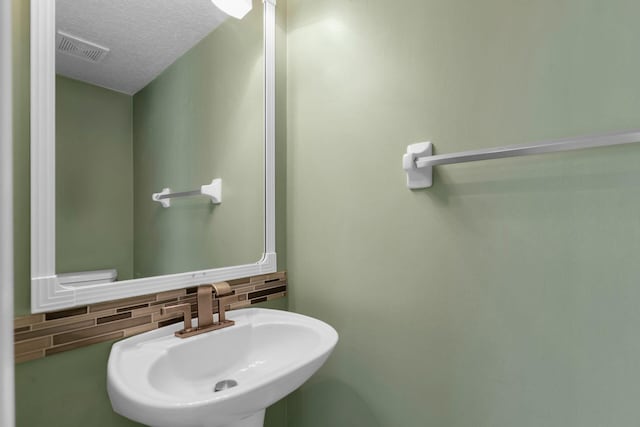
x=201, y=119
x=69, y=389
x=94, y=179
x=506, y=295
x=21, y=169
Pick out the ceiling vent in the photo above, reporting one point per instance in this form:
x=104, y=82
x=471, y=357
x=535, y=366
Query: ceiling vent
x=79, y=48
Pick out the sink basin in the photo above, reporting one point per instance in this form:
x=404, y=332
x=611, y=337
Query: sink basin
x=160, y=380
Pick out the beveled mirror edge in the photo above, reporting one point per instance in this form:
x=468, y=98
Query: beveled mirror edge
x=47, y=294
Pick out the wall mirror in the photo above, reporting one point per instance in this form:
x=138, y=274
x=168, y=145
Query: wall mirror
x=152, y=146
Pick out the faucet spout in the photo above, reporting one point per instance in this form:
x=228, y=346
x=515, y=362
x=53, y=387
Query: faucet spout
x=205, y=313
x=205, y=310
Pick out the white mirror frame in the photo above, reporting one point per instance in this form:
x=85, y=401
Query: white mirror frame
x=47, y=294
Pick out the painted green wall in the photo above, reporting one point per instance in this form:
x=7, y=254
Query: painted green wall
x=94, y=179
x=69, y=389
x=21, y=169
x=506, y=295
x=202, y=118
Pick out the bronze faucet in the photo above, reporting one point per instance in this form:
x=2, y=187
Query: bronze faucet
x=205, y=310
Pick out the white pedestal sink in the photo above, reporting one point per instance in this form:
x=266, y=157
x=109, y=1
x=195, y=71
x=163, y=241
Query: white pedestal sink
x=160, y=380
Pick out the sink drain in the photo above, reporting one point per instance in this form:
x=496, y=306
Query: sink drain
x=225, y=384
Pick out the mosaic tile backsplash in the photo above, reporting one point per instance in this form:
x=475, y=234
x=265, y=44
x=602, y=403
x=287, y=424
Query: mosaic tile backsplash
x=44, y=334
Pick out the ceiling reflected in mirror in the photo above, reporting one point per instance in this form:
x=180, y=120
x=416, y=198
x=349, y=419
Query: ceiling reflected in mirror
x=123, y=45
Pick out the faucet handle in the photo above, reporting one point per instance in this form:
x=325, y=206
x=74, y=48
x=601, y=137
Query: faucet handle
x=185, y=309
x=222, y=289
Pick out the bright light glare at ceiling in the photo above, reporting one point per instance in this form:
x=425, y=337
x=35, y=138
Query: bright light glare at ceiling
x=236, y=8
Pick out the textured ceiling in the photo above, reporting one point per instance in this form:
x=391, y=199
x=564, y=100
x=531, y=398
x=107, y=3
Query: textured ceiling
x=144, y=37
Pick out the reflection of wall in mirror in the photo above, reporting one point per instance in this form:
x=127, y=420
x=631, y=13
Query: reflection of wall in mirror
x=202, y=118
x=94, y=179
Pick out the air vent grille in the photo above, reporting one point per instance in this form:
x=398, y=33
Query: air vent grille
x=80, y=48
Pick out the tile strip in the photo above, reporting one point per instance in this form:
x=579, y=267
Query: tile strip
x=32, y=345
x=265, y=292
x=20, y=322
x=84, y=343
x=81, y=334
x=113, y=317
x=54, y=330
x=41, y=335
x=32, y=355
x=65, y=313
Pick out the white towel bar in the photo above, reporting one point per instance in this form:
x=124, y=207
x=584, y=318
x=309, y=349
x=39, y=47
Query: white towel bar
x=418, y=161
x=213, y=191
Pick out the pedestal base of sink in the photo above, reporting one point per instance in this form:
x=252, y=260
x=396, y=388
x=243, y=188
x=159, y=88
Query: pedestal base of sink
x=255, y=420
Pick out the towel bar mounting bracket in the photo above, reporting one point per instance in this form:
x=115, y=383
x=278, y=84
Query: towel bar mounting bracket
x=418, y=177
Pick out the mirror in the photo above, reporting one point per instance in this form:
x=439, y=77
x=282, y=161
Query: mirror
x=159, y=173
